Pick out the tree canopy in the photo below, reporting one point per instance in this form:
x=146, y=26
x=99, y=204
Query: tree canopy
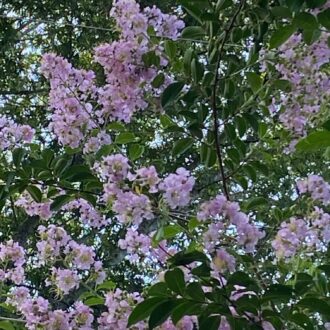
x=165, y=165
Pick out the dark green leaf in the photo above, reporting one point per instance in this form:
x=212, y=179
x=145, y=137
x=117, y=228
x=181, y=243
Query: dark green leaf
x=314, y=141
x=185, y=308
x=254, y=81
x=175, y=280
x=281, y=35
x=305, y=21
x=255, y=202
x=125, y=137
x=35, y=193
x=181, y=146
x=301, y=320
x=209, y=323
x=278, y=292
x=171, y=93
x=159, y=290
x=144, y=309
x=170, y=48
x=158, y=80
x=161, y=313
x=324, y=18
x=240, y=278
x=195, y=291
x=135, y=151
x=315, y=305
x=182, y=258
x=18, y=155
x=193, y=32
x=59, y=201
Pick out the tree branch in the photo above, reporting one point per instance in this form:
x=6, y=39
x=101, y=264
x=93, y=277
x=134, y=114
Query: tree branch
x=214, y=99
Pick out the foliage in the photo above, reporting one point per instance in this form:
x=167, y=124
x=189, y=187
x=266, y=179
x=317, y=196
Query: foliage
x=177, y=178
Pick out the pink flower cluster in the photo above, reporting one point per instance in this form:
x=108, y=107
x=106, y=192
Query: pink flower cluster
x=177, y=188
x=311, y=233
x=55, y=245
x=317, y=187
x=88, y=214
x=247, y=234
x=94, y=143
x=120, y=304
x=13, y=135
x=37, y=313
x=12, y=259
x=31, y=207
x=128, y=80
x=70, y=97
x=223, y=262
x=132, y=207
x=301, y=65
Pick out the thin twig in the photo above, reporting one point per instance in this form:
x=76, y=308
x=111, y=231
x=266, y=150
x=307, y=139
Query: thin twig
x=214, y=99
x=12, y=319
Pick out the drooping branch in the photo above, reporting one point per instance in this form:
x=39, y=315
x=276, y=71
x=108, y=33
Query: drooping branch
x=214, y=99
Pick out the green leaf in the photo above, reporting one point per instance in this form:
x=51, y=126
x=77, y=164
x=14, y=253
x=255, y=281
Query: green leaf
x=240, y=125
x=302, y=320
x=159, y=290
x=94, y=301
x=195, y=291
x=158, y=80
x=144, y=309
x=6, y=325
x=185, y=258
x=161, y=313
x=135, y=151
x=305, y=21
x=175, y=280
x=35, y=193
x=278, y=292
x=324, y=18
x=107, y=285
x=325, y=269
x=197, y=70
x=181, y=146
x=171, y=92
x=166, y=121
x=314, y=141
x=254, y=81
x=193, y=32
x=281, y=35
x=315, y=305
x=255, y=202
x=125, y=137
x=77, y=171
x=171, y=231
x=116, y=126
x=240, y=278
x=280, y=11
x=209, y=323
x=151, y=59
x=326, y=125
x=208, y=155
x=18, y=155
x=185, y=308
x=170, y=48
x=315, y=3
x=59, y=201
